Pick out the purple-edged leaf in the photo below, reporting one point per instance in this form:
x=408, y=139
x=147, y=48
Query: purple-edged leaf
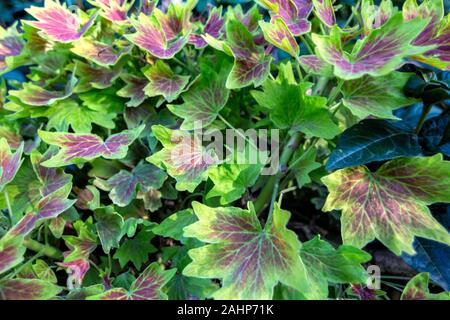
x=436, y=33
x=377, y=96
x=293, y=12
x=51, y=179
x=277, y=33
x=11, y=135
x=315, y=65
x=249, y=18
x=151, y=36
x=94, y=77
x=27, y=289
x=78, y=148
x=147, y=6
x=101, y=53
x=113, y=10
x=9, y=162
x=34, y=95
x=325, y=12
x=374, y=16
x=148, y=286
x=381, y=52
x=123, y=184
x=163, y=81
x=391, y=203
x=183, y=156
x=213, y=27
x=48, y=207
x=11, y=45
x=251, y=64
x=76, y=260
x=134, y=89
x=57, y=22
x=57, y=226
x=417, y=289
x=11, y=253
x=249, y=259
x=77, y=269
x=206, y=96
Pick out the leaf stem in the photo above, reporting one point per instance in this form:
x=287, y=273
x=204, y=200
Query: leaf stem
x=336, y=90
x=181, y=63
x=297, y=67
x=423, y=117
x=237, y=131
x=307, y=45
x=270, y=190
x=46, y=250
x=8, y=204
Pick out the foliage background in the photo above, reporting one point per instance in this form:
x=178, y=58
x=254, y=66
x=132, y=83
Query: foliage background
x=310, y=220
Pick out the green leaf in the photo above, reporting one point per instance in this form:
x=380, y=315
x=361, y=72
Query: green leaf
x=80, y=118
x=325, y=264
x=172, y=226
x=290, y=107
x=148, y=286
x=391, y=203
x=44, y=272
x=417, y=289
x=187, y=288
x=136, y=250
x=376, y=96
x=231, y=180
x=250, y=260
x=105, y=101
x=130, y=226
x=109, y=227
x=124, y=184
x=204, y=99
x=303, y=162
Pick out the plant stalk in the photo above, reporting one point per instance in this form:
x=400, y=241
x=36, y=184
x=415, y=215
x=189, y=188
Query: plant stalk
x=423, y=117
x=46, y=250
x=272, y=185
x=8, y=204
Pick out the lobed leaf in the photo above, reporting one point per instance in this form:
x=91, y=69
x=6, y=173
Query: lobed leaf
x=379, y=53
x=250, y=260
x=146, y=287
x=417, y=289
x=206, y=97
x=57, y=22
x=9, y=162
x=391, y=203
x=182, y=156
x=77, y=148
x=163, y=81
